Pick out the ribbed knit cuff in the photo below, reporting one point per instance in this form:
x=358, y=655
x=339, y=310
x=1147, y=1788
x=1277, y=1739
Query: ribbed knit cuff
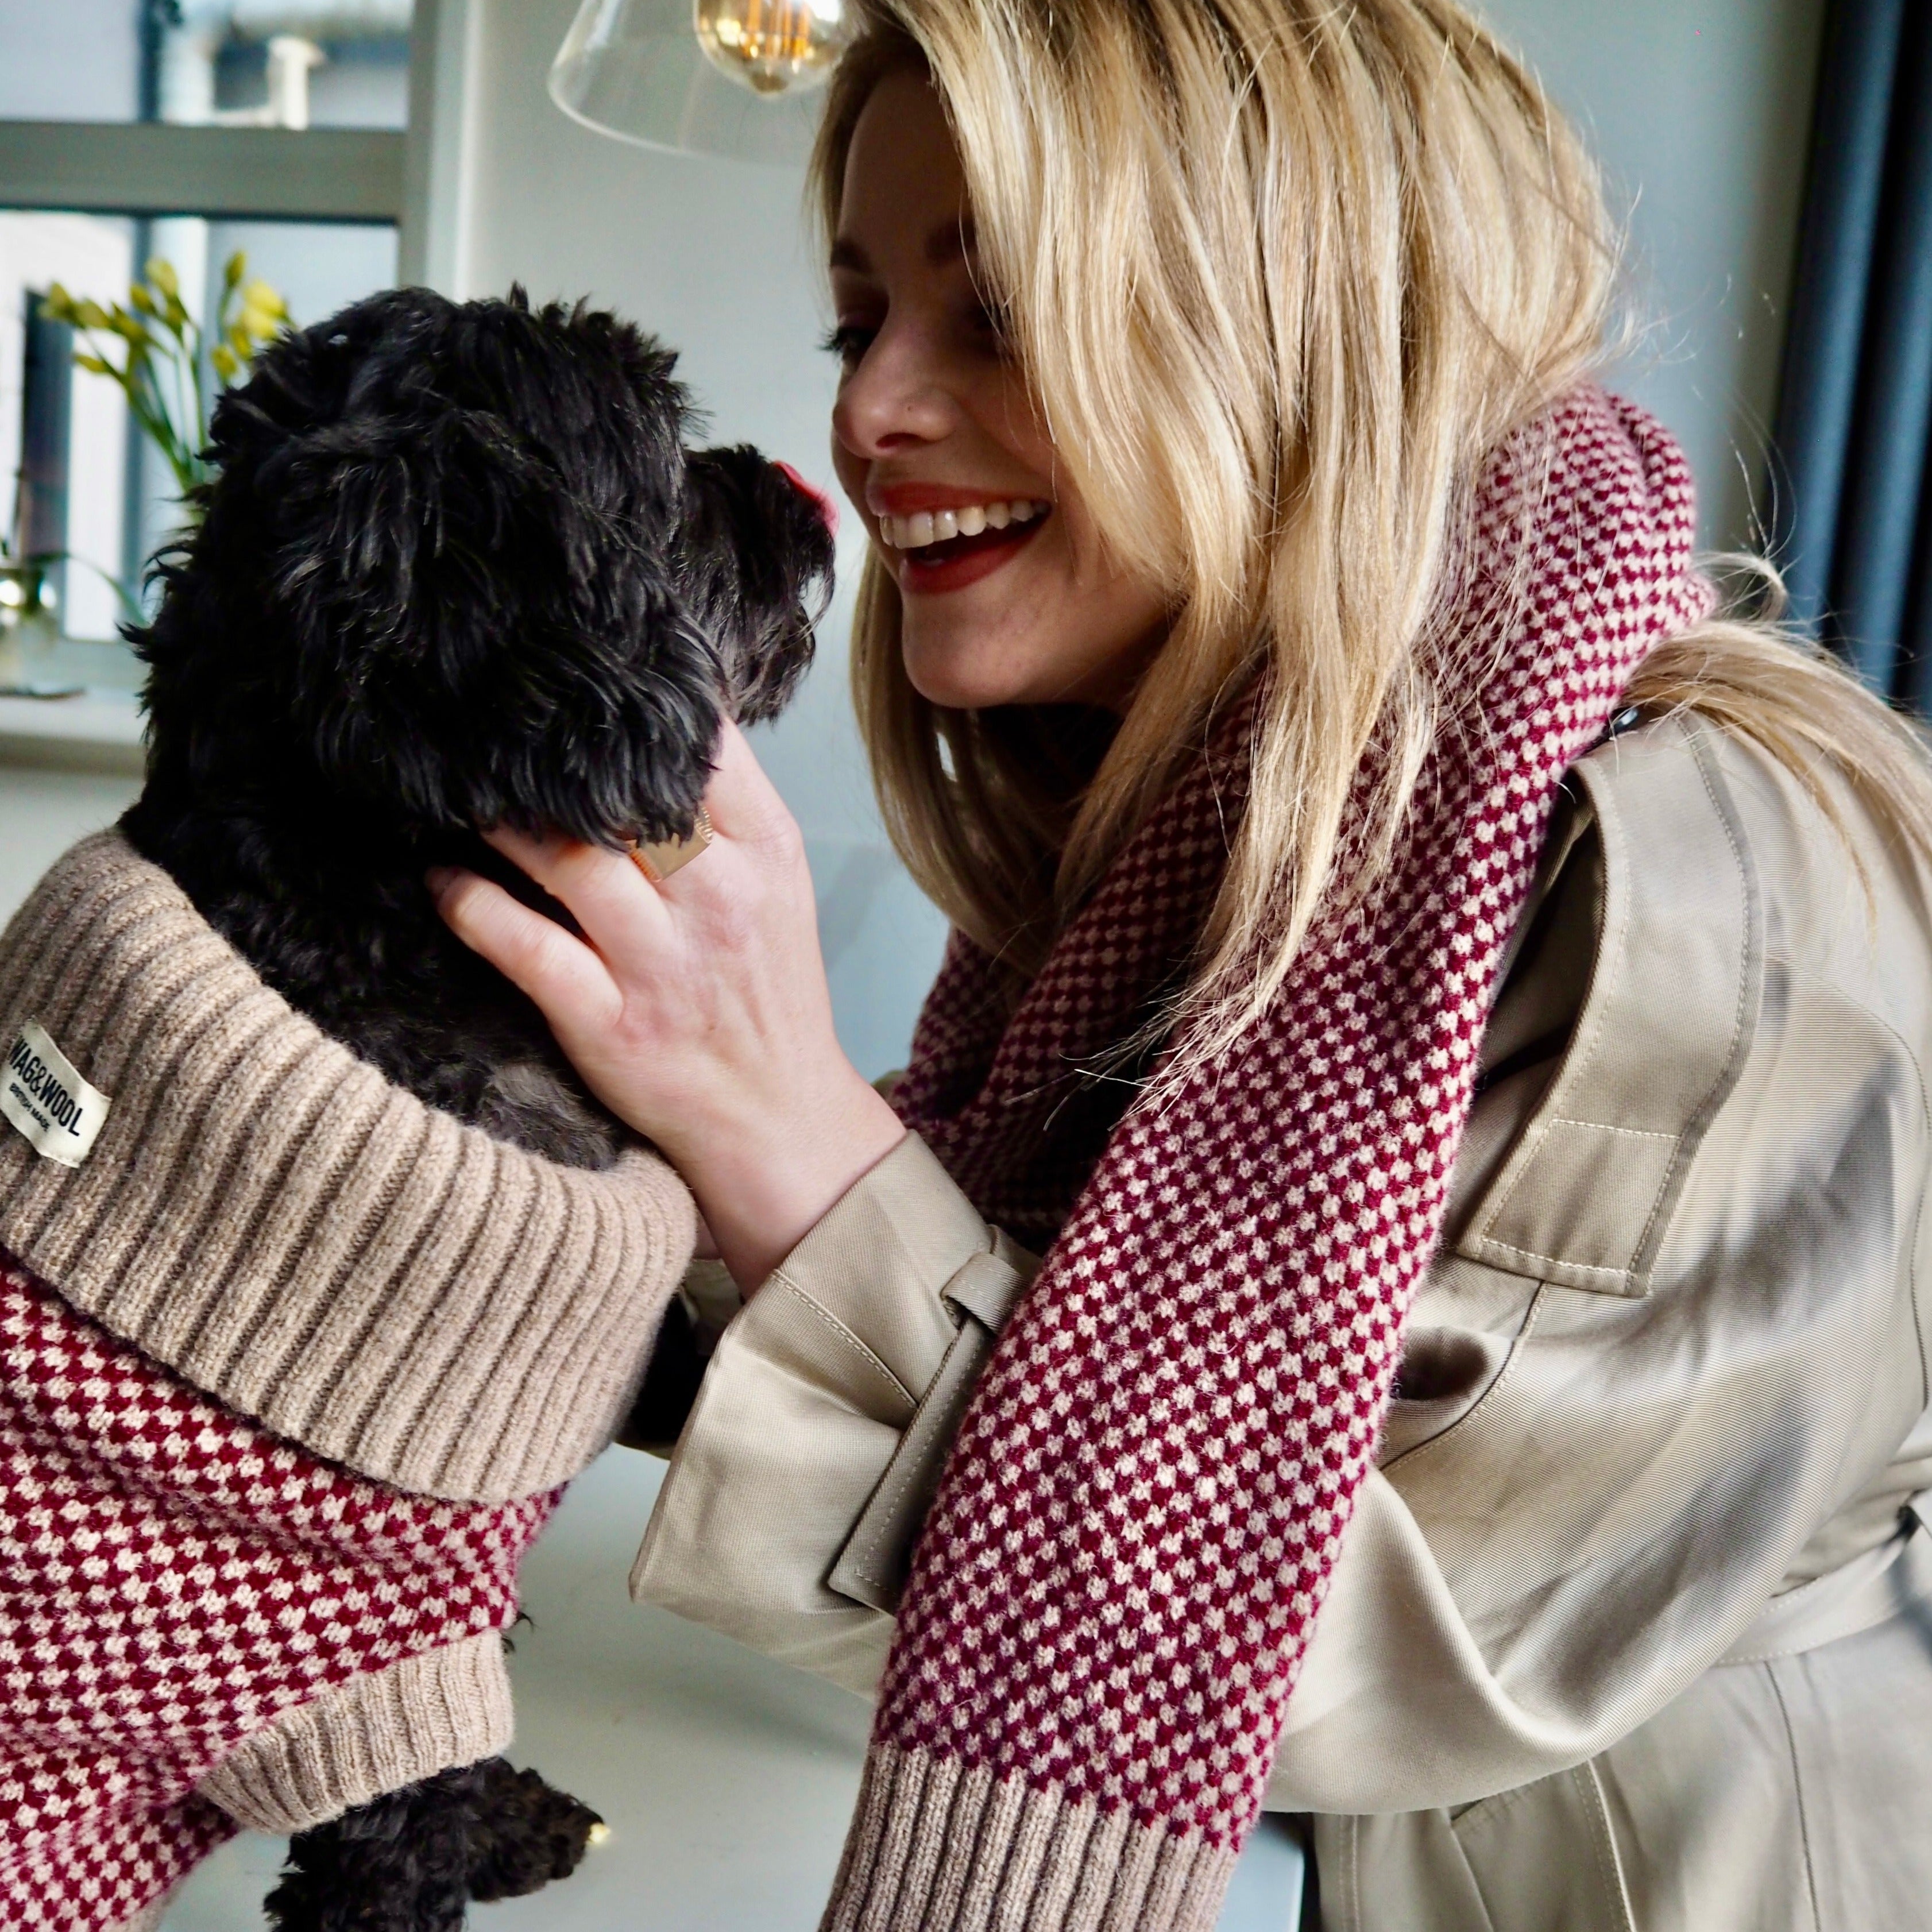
x=937, y=1848
x=267, y=1216
x=373, y=1734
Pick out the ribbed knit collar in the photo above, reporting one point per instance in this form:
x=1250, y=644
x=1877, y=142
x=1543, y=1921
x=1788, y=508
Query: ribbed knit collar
x=269, y=1216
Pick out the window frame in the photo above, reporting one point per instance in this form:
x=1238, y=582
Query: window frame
x=152, y=168
x=414, y=179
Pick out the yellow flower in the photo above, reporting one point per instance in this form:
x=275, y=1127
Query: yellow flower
x=91, y=315
x=139, y=298
x=59, y=306
x=263, y=311
x=234, y=268
x=93, y=365
x=226, y=365
x=161, y=273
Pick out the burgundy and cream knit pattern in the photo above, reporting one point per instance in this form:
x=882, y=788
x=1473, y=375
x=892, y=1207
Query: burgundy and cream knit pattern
x=171, y=1578
x=1117, y=1580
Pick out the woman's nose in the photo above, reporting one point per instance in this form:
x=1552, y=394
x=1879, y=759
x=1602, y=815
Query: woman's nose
x=896, y=396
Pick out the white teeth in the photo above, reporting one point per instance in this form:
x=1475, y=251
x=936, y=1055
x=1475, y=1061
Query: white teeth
x=924, y=527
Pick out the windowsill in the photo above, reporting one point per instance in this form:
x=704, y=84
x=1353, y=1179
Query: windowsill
x=99, y=730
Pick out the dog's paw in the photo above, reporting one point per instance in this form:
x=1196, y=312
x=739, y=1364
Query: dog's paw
x=525, y=1833
x=400, y=1864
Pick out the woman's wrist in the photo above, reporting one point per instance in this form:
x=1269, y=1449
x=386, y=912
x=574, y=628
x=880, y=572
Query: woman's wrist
x=763, y=1186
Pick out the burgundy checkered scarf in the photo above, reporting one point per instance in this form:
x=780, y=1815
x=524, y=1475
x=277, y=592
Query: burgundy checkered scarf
x=1116, y=1584
x=170, y=1578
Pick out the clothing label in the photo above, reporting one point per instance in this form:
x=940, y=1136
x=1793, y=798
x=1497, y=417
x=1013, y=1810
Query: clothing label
x=43, y=1095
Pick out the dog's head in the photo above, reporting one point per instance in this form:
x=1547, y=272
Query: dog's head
x=457, y=567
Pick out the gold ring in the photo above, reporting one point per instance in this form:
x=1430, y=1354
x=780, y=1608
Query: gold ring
x=657, y=863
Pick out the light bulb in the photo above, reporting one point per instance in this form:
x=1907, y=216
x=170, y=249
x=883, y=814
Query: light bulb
x=772, y=47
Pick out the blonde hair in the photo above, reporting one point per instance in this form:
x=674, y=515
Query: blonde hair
x=1280, y=274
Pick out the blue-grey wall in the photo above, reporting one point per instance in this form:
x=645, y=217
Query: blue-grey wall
x=1700, y=110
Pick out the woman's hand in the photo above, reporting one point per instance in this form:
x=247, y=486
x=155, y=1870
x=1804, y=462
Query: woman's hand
x=697, y=1010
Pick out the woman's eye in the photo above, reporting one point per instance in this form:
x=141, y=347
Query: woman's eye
x=849, y=342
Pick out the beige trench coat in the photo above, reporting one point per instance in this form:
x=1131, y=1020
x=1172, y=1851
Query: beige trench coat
x=1630, y=1629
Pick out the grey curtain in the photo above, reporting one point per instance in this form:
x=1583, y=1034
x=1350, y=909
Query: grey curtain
x=1852, y=483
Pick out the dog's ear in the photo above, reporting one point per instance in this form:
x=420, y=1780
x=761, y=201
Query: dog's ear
x=479, y=636
x=758, y=555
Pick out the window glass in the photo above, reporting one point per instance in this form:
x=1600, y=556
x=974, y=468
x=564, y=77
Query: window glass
x=263, y=63
x=77, y=477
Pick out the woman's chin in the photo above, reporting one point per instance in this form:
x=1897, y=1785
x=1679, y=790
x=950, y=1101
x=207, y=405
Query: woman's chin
x=951, y=679
x=952, y=688
x=959, y=675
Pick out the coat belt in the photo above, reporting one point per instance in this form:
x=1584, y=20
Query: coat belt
x=1852, y=1598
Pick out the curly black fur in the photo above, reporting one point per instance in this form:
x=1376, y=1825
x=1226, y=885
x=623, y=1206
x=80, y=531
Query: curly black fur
x=456, y=569
x=411, y=1860
x=525, y=1834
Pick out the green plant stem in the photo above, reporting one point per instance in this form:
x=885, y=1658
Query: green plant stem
x=130, y=604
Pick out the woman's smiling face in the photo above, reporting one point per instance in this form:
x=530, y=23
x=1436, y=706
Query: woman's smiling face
x=1008, y=595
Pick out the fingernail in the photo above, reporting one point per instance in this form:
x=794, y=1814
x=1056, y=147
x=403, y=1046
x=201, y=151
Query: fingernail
x=439, y=879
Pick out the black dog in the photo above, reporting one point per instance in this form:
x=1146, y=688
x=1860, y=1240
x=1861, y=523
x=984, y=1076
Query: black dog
x=456, y=569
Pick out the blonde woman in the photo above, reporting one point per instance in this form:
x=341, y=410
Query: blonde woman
x=1387, y=1290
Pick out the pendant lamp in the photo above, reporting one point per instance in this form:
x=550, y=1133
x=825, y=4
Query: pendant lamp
x=736, y=78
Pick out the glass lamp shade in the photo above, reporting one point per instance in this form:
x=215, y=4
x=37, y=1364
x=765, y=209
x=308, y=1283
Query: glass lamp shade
x=738, y=78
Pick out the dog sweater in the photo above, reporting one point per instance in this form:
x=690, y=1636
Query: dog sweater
x=292, y=1367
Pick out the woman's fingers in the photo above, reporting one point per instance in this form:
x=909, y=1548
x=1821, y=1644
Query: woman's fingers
x=697, y=1010
x=636, y=925
x=562, y=974
x=608, y=896
x=741, y=803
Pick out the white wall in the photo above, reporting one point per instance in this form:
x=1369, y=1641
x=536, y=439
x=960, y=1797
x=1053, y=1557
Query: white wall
x=79, y=61
x=42, y=813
